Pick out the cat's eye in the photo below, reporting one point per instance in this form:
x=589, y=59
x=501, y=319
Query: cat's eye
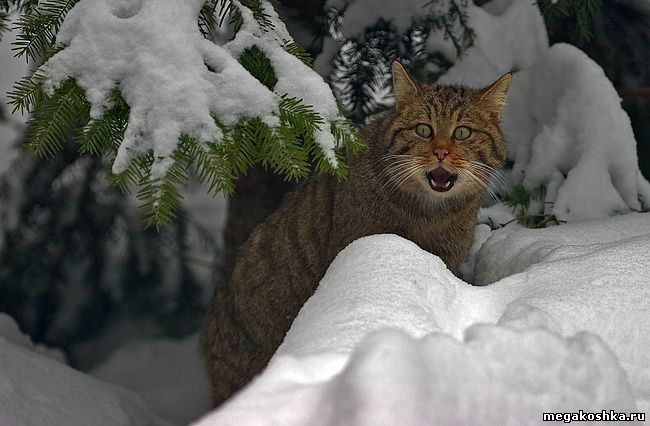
x=423, y=130
x=461, y=133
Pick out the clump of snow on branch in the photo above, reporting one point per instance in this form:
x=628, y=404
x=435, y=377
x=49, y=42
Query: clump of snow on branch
x=563, y=121
x=175, y=81
x=509, y=36
x=294, y=78
x=360, y=14
x=567, y=131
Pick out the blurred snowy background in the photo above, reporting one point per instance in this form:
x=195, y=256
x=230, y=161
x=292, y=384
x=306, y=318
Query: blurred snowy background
x=391, y=336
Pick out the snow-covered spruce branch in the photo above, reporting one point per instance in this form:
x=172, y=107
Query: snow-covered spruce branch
x=164, y=87
x=582, y=12
x=367, y=35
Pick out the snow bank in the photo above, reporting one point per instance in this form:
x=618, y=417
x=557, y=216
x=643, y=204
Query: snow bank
x=11, y=333
x=513, y=249
x=496, y=375
x=392, y=337
x=589, y=276
x=38, y=390
x=168, y=374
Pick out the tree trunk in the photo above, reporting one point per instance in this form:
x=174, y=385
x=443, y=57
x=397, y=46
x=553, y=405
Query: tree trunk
x=257, y=195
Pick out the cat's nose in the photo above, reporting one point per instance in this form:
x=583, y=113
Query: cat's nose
x=441, y=153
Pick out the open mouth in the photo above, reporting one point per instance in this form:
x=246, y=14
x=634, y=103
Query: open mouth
x=440, y=180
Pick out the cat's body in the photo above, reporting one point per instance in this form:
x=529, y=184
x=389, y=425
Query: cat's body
x=282, y=262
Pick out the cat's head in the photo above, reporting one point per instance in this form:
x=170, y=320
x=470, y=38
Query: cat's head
x=443, y=140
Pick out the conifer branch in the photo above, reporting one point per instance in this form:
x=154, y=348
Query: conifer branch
x=27, y=93
x=288, y=148
x=583, y=12
x=299, y=52
x=4, y=23
x=208, y=20
x=38, y=29
x=256, y=63
x=55, y=119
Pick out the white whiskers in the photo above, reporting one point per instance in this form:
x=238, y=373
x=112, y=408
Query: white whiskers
x=399, y=170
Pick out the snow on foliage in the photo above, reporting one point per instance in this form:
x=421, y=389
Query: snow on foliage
x=360, y=14
x=510, y=35
x=393, y=337
x=563, y=120
x=567, y=131
x=36, y=390
x=294, y=77
x=174, y=80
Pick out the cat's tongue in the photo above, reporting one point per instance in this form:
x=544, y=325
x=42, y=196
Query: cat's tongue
x=440, y=176
x=440, y=179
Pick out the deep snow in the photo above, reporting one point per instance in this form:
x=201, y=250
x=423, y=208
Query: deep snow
x=392, y=337
x=37, y=390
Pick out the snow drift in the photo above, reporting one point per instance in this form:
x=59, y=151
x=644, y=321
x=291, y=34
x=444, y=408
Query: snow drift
x=168, y=374
x=36, y=390
x=392, y=337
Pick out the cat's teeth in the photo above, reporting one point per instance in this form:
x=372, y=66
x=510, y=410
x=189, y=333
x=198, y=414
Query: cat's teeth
x=447, y=184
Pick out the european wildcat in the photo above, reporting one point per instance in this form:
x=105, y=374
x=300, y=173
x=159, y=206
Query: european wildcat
x=422, y=177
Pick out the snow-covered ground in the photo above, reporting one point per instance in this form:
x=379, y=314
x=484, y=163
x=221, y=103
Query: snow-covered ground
x=37, y=389
x=393, y=337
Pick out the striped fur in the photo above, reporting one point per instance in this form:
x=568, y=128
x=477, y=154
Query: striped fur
x=285, y=257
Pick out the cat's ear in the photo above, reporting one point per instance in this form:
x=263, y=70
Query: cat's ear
x=494, y=96
x=405, y=88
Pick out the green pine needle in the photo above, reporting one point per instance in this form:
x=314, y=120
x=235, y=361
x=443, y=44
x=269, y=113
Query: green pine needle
x=299, y=52
x=583, y=12
x=208, y=20
x=55, y=120
x=256, y=63
x=38, y=28
x=104, y=135
x=289, y=149
x=27, y=93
